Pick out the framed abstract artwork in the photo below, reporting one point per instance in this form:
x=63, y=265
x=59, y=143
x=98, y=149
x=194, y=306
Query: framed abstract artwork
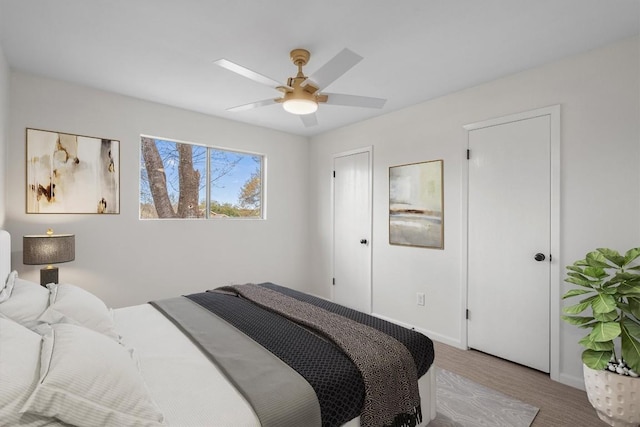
x=416, y=205
x=69, y=173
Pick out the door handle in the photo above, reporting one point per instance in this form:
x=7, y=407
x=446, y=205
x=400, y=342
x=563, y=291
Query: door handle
x=539, y=257
x=363, y=241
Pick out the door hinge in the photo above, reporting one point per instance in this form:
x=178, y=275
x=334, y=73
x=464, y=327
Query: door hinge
x=550, y=257
x=468, y=154
x=333, y=281
x=467, y=314
x=334, y=174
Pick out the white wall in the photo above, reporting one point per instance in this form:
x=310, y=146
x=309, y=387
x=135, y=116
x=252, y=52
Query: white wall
x=4, y=114
x=127, y=261
x=600, y=181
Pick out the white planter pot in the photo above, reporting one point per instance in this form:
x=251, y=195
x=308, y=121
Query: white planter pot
x=615, y=397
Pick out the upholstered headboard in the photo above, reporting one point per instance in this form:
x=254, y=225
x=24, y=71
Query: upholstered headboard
x=5, y=255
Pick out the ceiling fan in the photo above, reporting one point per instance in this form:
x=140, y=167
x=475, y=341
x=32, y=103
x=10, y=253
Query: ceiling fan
x=301, y=95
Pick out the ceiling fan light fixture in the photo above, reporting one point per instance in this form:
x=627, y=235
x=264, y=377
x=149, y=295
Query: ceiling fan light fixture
x=300, y=106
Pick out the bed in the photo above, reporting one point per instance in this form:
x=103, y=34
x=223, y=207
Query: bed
x=66, y=359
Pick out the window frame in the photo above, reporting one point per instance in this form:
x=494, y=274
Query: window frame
x=207, y=202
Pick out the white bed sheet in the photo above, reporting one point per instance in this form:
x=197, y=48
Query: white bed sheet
x=189, y=389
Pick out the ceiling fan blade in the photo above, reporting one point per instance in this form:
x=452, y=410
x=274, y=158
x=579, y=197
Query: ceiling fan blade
x=354, y=100
x=245, y=72
x=252, y=105
x=337, y=66
x=309, y=119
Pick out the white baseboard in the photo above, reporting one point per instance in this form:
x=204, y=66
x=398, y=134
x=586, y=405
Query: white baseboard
x=570, y=380
x=433, y=335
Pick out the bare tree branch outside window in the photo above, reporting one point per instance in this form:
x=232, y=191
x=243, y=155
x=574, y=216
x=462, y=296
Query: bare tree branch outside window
x=173, y=181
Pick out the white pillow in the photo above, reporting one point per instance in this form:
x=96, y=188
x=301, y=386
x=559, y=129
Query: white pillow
x=71, y=304
x=89, y=379
x=7, y=286
x=19, y=374
x=26, y=303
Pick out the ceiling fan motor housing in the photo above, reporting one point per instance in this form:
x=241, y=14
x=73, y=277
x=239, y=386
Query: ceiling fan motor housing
x=300, y=57
x=296, y=92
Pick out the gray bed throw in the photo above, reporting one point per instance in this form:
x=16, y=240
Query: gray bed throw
x=294, y=405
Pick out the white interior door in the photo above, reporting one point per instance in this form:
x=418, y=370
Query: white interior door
x=352, y=230
x=508, y=234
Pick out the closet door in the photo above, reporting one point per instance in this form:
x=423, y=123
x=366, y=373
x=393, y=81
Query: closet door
x=352, y=230
x=509, y=241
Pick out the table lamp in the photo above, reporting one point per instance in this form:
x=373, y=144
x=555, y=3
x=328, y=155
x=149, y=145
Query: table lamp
x=48, y=249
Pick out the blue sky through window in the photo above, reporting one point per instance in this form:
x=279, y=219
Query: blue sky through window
x=229, y=172
x=226, y=188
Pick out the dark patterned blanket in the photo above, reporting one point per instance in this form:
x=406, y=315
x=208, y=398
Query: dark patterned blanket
x=387, y=368
x=336, y=380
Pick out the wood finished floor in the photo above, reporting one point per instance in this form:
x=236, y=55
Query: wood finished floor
x=560, y=405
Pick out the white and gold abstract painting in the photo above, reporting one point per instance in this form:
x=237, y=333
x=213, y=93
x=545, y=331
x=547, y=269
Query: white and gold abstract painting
x=69, y=173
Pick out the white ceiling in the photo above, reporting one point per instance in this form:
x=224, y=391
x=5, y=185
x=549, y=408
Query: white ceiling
x=414, y=50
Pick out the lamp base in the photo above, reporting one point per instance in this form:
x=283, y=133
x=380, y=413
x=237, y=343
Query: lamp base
x=48, y=275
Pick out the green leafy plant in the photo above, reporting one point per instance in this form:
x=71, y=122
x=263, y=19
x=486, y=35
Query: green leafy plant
x=611, y=284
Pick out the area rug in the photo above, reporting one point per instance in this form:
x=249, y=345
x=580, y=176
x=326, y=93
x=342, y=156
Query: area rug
x=464, y=403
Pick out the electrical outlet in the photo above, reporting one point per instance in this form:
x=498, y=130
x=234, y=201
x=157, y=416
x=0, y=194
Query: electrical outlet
x=420, y=298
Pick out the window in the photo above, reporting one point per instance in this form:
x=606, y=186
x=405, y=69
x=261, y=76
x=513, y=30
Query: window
x=183, y=180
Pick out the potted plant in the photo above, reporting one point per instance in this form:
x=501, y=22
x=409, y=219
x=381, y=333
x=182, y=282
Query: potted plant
x=609, y=284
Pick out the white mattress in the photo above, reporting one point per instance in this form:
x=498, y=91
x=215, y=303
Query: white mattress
x=188, y=388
